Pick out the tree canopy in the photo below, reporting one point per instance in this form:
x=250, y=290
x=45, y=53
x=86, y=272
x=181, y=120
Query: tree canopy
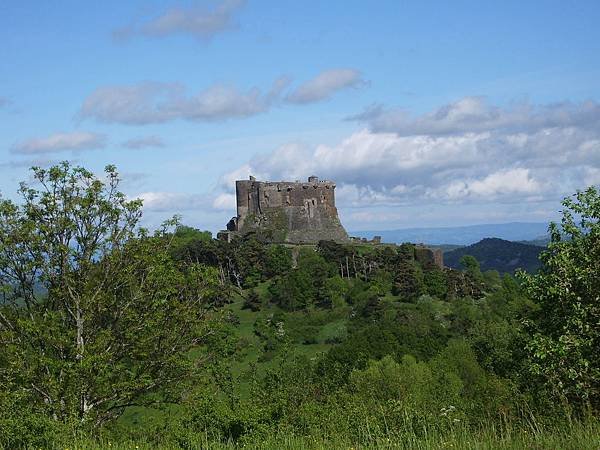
x=565, y=349
x=94, y=315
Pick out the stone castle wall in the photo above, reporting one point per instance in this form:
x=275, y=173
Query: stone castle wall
x=426, y=255
x=288, y=212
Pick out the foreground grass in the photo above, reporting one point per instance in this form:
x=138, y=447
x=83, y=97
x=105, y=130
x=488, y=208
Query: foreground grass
x=578, y=436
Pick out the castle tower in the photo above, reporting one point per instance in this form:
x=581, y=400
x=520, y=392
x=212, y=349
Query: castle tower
x=287, y=212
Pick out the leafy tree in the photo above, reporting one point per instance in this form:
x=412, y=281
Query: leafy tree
x=435, y=282
x=382, y=282
x=252, y=301
x=194, y=248
x=337, y=289
x=387, y=256
x=271, y=330
x=499, y=346
x=250, y=258
x=95, y=315
x=332, y=251
x=492, y=279
x=294, y=291
x=371, y=306
x=565, y=349
x=306, y=285
x=471, y=268
x=184, y=235
x=469, y=283
x=408, y=279
x=279, y=260
x=406, y=252
x=370, y=342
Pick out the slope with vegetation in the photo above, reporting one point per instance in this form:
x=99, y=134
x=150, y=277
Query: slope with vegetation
x=498, y=254
x=176, y=340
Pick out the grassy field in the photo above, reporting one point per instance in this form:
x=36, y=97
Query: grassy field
x=575, y=437
x=325, y=325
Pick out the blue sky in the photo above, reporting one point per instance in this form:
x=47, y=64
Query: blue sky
x=424, y=113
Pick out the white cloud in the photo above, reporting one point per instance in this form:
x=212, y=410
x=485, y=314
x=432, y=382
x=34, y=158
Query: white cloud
x=325, y=85
x=591, y=176
x=153, y=102
x=144, y=142
x=173, y=201
x=156, y=102
x=131, y=180
x=504, y=182
x=376, y=160
x=389, y=180
x=227, y=181
x=202, y=23
x=225, y=202
x=59, y=142
x=475, y=114
x=38, y=162
x=510, y=164
x=132, y=104
x=221, y=102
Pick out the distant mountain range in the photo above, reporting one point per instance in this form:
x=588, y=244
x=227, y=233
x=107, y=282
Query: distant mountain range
x=498, y=254
x=515, y=231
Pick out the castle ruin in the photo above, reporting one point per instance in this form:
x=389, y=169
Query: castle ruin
x=286, y=212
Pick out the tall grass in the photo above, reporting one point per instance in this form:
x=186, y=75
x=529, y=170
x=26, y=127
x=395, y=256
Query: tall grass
x=575, y=436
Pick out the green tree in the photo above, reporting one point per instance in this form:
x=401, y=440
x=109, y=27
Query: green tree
x=279, y=260
x=250, y=258
x=435, y=282
x=332, y=251
x=337, y=289
x=95, y=315
x=408, y=279
x=294, y=291
x=252, y=301
x=565, y=349
x=471, y=268
x=184, y=235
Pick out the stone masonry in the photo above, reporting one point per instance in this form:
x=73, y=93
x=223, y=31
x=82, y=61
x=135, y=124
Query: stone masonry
x=286, y=212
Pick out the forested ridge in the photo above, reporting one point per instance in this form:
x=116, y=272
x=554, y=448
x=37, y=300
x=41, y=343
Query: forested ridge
x=112, y=335
x=498, y=254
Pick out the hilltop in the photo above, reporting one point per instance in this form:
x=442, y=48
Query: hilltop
x=498, y=254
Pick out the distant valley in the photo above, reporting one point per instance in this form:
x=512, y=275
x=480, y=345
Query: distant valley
x=465, y=235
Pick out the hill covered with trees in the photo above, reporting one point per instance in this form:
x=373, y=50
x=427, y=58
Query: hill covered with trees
x=498, y=254
x=173, y=339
